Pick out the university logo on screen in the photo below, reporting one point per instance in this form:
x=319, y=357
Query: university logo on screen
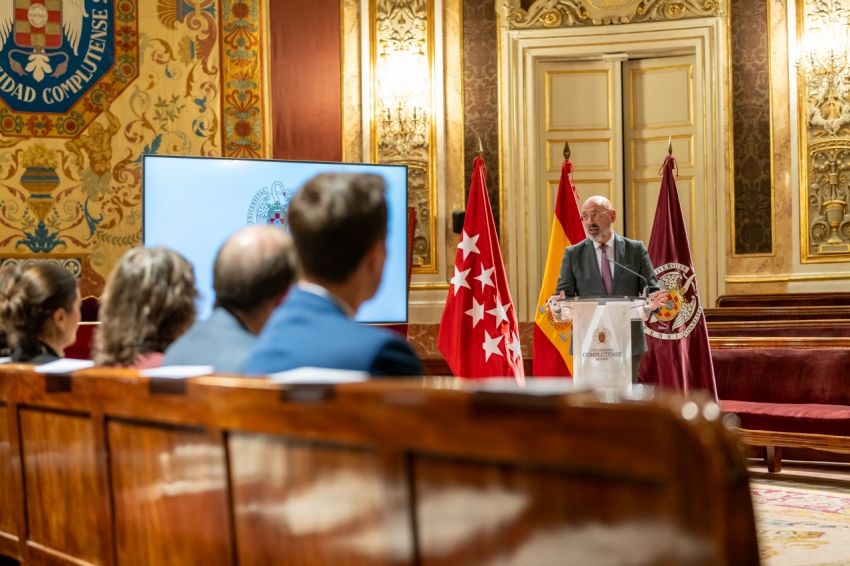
x=270, y=205
x=56, y=55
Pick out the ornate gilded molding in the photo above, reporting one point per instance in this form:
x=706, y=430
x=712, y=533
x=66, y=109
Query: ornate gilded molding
x=403, y=128
x=828, y=196
x=824, y=126
x=573, y=13
x=246, y=108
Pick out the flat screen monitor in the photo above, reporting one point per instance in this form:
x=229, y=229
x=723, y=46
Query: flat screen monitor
x=193, y=204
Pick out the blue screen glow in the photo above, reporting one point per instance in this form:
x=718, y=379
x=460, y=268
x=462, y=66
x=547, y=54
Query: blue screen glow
x=193, y=205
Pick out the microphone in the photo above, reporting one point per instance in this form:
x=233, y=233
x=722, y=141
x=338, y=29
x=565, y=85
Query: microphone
x=645, y=282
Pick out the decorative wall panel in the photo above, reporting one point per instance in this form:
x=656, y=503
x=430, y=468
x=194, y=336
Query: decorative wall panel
x=752, y=192
x=824, y=102
x=570, y=13
x=244, y=48
x=403, y=129
x=481, y=94
x=131, y=77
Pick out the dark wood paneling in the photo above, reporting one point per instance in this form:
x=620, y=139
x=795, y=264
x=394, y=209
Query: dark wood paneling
x=324, y=505
x=306, y=77
x=8, y=492
x=8, y=502
x=785, y=300
x=477, y=513
x=724, y=314
x=61, y=485
x=170, y=496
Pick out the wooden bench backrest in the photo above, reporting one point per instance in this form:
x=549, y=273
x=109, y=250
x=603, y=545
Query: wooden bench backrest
x=752, y=314
x=104, y=467
x=785, y=300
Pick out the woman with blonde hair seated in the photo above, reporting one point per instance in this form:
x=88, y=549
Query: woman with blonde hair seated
x=148, y=303
x=39, y=311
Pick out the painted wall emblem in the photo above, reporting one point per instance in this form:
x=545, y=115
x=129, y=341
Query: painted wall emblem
x=269, y=206
x=62, y=62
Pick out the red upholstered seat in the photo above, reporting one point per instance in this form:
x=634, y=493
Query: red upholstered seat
x=808, y=418
x=783, y=375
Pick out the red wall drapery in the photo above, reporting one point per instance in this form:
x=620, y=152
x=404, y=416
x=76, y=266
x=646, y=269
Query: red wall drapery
x=306, y=79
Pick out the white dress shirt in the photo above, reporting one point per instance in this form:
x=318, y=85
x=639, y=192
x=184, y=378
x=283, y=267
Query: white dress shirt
x=609, y=251
x=322, y=292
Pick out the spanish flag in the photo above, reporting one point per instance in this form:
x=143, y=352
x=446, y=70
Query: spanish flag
x=552, y=339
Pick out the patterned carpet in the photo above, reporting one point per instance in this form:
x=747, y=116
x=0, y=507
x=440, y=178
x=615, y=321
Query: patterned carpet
x=802, y=525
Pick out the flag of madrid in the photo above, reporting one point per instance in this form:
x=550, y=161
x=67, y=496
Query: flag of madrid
x=479, y=334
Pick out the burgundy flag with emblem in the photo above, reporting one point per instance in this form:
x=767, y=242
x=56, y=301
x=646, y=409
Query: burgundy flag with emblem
x=679, y=355
x=479, y=334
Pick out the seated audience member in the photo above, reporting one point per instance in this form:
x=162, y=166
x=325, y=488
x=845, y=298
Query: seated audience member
x=149, y=301
x=39, y=310
x=339, y=225
x=251, y=275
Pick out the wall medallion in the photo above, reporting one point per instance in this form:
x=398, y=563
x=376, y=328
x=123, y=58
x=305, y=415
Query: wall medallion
x=62, y=62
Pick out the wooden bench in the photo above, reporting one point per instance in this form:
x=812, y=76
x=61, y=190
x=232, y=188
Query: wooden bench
x=800, y=328
x=104, y=467
x=786, y=314
x=785, y=300
x=788, y=392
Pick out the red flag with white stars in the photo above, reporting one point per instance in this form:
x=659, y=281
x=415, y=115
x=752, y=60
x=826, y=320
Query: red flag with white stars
x=479, y=334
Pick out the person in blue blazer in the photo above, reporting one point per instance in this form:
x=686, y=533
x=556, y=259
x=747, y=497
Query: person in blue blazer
x=252, y=273
x=339, y=225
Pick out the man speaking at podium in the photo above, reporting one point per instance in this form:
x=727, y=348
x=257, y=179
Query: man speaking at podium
x=606, y=264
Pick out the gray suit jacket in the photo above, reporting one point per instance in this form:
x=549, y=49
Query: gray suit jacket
x=220, y=341
x=580, y=276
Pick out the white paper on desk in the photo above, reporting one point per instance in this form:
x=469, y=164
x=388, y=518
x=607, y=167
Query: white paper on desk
x=539, y=387
x=319, y=375
x=177, y=372
x=5, y=360
x=65, y=365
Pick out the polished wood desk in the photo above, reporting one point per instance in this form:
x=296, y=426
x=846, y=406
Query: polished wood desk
x=104, y=467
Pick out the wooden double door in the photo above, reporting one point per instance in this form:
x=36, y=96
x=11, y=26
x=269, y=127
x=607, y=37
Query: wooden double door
x=618, y=115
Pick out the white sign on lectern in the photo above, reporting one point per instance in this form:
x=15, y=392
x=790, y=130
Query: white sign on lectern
x=602, y=339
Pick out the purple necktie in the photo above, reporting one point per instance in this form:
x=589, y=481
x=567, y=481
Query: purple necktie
x=606, y=269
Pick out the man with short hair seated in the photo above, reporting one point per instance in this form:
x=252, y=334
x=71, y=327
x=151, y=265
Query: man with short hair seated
x=339, y=225
x=252, y=273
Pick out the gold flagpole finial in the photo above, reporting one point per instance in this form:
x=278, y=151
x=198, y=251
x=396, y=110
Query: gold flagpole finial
x=480, y=152
x=670, y=145
x=567, y=151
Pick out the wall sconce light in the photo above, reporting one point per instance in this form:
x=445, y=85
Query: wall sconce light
x=403, y=127
x=822, y=65
x=403, y=87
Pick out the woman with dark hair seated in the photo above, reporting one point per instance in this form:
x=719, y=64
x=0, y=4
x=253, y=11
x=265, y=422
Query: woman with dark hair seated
x=39, y=311
x=148, y=303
